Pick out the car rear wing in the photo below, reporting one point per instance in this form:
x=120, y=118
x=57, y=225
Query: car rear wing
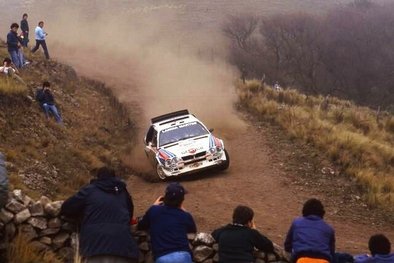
x=169, y=116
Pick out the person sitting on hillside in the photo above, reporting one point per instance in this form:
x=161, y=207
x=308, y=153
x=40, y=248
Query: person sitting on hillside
x=380, y=247
x=238, y=240
x=3, y=182
x=9, y=69
x=105, y=209
x=47, y=102
x=168, y=224
x=310, y=238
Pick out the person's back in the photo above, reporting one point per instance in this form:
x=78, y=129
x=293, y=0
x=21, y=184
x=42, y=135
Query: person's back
x=380, y=248
x=105, y=208
x=238, y=240
x=309, y=236
x=168, y=226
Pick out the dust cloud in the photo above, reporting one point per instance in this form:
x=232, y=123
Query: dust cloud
x=152, y=57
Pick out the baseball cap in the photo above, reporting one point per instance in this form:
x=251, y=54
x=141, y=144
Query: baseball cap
x=175, y=191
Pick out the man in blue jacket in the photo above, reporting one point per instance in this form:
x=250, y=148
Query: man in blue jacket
x=14, y=46
x=310, y=238
x=105, y=208
x=40, y=36
x=380, y=248
x=168, y=224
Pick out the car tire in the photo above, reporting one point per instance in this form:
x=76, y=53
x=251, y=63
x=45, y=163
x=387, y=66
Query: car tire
x=226, y=163
x=160, y=173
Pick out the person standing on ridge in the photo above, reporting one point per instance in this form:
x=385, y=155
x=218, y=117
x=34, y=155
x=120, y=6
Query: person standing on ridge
x=25, y=30
x=40, y=36
x=14, y=46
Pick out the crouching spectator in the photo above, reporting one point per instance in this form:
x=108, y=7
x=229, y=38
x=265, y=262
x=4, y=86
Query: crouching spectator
x=168, y=224
x=380, y=247
x=105, y=208
x=47, y=102
x=238, y=240
x=310, y=238
x=3, y=182
x=9, y=69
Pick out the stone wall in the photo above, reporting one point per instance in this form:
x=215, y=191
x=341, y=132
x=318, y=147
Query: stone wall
x=40, y=224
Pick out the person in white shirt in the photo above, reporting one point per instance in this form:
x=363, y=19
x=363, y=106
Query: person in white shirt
x=40, y=36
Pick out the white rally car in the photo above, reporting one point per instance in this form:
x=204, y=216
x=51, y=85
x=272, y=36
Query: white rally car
x=178, y=143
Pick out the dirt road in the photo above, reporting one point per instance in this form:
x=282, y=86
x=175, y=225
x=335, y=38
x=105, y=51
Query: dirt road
x=256, y=178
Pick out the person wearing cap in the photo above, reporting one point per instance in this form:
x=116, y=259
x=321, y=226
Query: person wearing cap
x=168, y=224
x=237, y=241
x=105, y=209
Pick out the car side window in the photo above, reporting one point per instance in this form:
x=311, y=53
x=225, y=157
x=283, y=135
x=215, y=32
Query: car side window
x=154, y=139
x=149, y=135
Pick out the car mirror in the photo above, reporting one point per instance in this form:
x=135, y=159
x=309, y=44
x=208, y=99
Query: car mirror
x=211, y=130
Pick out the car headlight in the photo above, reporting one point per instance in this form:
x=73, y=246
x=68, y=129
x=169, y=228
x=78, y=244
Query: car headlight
x=173, y=162
x=213, y=150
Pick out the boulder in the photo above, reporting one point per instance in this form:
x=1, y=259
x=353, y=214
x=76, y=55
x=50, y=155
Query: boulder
x=203, y=239
x=22, y=216
x=14, y=206
x=38, y=222
x=39, y=246
x=46, y=240
x=53, y=208
x=27, y=231
x=18, y=195
x=216, y=257
x=202, y=253
x=144, y=246
x=60, y=239
x=49, y=231
x=44, y=200
x=6, y=216
x=54, y=223
x=36, y=209
x=215, y=247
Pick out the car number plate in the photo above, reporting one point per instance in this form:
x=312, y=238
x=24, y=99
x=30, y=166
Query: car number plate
x=194, y=165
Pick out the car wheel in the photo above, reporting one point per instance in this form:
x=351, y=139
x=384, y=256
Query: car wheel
x=160, y=172
x=226, y=163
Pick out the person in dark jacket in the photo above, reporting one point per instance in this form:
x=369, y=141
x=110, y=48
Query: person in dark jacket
x=3, y=182
x=168, y=224
x=310, y=238
x=25, y=30
x=47, y=102
x=105, y=208
x=238, y=240
x=14, y=46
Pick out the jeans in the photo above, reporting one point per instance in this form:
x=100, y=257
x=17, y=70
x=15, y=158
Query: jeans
x=44, y=47
x=25, y=39
x=52, y=109
x=175, y=257
x=17, y=58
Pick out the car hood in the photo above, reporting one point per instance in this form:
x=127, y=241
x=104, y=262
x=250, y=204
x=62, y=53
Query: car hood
x=189, y=147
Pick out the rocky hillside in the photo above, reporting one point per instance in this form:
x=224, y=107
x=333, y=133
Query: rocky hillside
x=44, y=157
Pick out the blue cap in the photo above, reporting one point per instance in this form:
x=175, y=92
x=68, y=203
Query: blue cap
x=175, y=191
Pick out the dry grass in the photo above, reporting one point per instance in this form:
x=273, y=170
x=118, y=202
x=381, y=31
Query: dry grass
x=9, y=86
x=354, y=137
x=21, y=251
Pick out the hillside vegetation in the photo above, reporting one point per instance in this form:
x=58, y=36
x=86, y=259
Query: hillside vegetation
x=358, y=139
x=54, y=160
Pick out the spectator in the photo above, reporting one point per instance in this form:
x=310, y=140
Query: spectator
x=40, y=36
x=47, y=102
x=380, y=247
x=238, y=240
x=25, y=30
x=14, y=46
x=310, y=238
x=9, y=69
x=3, y=182
x=105, y=208
x=168, y=224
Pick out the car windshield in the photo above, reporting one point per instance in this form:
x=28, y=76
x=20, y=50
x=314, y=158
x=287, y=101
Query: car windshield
x=181, y=132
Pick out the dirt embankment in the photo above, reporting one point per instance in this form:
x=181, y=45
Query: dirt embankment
x=47, y=158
